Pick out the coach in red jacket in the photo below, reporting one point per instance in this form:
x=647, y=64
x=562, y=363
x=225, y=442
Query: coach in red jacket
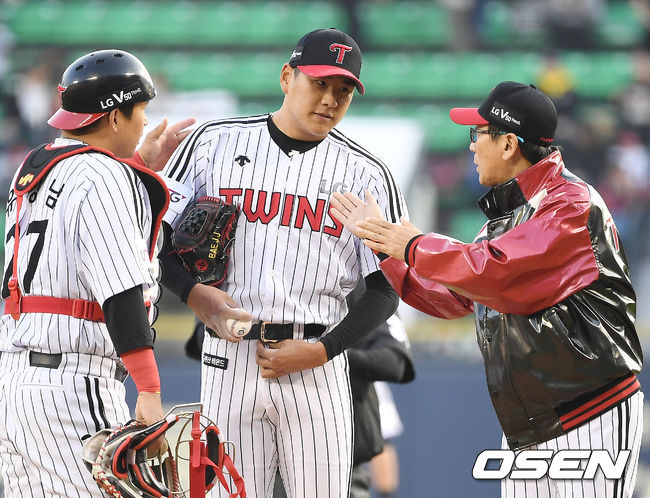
x=548, y=282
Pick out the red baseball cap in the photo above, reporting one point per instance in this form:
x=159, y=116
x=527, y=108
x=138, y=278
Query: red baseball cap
x=467, y=116
x=328, y=52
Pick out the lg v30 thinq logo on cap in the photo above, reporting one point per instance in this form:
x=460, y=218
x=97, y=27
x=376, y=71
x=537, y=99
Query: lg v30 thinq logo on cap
x=342, y=49
x=504, y=115
x=117, y=98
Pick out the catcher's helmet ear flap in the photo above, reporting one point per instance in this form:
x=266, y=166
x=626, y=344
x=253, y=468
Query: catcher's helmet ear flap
x=97, y=83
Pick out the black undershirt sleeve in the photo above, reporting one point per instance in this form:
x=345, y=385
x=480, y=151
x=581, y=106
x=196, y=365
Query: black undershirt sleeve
x=380, y=356
x=377, y=304
x=127, y=322
x=174, y=275
x=377, y=364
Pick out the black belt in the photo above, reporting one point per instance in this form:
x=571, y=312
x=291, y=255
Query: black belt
x=275, y=332
x=53, y=360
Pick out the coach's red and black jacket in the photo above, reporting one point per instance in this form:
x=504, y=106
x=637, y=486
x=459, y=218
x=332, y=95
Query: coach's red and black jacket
x=548, y=281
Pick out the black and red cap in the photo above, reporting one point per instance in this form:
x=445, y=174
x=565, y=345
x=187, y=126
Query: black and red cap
x=328, y=52
x=514, y=107
x=97, y=83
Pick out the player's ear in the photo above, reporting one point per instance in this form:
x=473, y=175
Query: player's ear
x=114, y=118
x=286, y=75
x=510, y=146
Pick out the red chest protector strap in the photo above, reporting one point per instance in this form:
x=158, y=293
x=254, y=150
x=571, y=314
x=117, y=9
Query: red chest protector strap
x=37, y=164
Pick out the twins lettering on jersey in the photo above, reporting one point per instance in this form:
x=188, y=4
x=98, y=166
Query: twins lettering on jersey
x=293, y=210
x=283, y=205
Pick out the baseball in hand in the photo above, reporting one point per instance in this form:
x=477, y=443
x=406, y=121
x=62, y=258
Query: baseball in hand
x=239, y=328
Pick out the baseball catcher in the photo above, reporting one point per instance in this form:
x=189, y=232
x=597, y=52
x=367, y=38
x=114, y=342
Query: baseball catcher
x=204, y=238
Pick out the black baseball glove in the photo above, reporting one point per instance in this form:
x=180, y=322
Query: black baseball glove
x=204, y=237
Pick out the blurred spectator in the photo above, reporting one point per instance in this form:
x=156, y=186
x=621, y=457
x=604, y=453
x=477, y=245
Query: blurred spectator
x=556, y=81
x=13, y=146
x=6, y=44
x=625, y=189
x=585, y=148
x=571, y=24
x=36, y=102
x=383, y=355
x=634, y=100
x=642, y=9
x=631, y=156
x=384, y=467
x=463, y=34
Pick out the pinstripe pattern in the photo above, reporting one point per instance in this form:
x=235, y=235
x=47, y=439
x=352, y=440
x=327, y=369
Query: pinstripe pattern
x=619, y=428
x=44, y=414
x=300, y=423
x=291, y=263
x=303, y=266
x=94, y=247
x=93, y=220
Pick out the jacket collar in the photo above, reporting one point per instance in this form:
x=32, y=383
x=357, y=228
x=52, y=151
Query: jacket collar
x=508, y=196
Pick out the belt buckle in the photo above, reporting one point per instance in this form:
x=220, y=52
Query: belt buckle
x=263, y=336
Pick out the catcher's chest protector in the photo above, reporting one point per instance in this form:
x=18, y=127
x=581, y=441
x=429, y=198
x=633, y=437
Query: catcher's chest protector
x=41, y=160
x=35, y=167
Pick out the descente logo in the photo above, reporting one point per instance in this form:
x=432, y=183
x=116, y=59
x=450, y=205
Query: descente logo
x=504, y=115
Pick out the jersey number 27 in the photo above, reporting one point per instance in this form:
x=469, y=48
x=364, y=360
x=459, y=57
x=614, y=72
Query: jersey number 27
x=39, y=228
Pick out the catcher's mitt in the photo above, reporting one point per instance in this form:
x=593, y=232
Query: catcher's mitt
x=121, y=467
x=204, y=237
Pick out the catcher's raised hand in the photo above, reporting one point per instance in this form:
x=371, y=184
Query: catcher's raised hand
x=161, y=142
x=214, y=307
x=349, y=209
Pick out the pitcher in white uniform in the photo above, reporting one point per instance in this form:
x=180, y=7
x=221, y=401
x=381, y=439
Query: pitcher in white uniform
x=282, y=392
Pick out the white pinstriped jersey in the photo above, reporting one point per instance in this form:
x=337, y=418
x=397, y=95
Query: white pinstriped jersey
x=291, y=261
x=83, y=235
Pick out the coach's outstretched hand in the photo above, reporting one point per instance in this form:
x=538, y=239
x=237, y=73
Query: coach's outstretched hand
x=365, y=220
x=285, y=357
x=389, y=238
x=349, y=209
x=161, y=142
x=214, y=307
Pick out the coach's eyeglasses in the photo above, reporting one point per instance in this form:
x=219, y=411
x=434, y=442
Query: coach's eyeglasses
x=473, y=134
